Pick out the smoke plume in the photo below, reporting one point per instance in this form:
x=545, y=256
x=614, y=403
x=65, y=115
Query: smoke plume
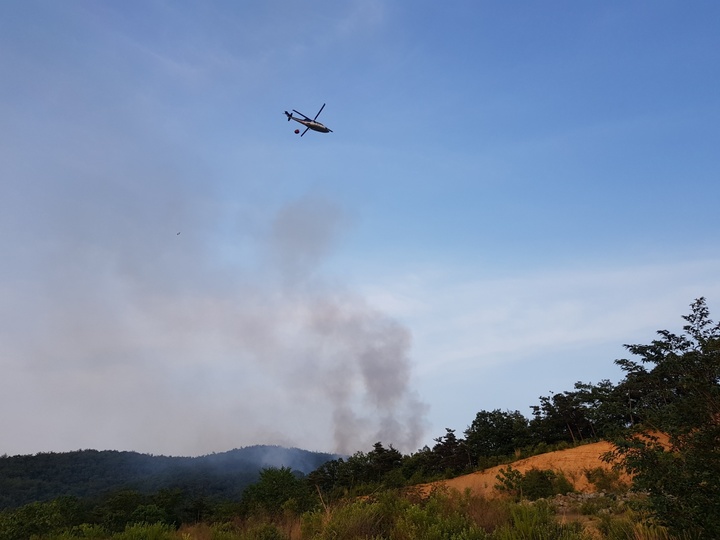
x=357, y=358
x=120, y=333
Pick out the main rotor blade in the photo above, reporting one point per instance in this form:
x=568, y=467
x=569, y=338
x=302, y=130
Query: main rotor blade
x=318, y=114
x=304, y=132
x=301, y=114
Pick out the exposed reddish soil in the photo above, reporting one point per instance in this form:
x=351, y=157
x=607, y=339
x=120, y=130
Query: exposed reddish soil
x=572, y=462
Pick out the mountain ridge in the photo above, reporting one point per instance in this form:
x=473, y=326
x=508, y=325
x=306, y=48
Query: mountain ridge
x=92, y=473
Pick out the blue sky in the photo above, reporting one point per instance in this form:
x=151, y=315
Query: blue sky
x=510, y=193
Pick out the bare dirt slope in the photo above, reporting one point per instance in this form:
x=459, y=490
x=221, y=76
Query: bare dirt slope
x=572, y=462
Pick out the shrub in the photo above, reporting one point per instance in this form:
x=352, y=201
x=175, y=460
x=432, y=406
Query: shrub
x=592, y=507
x=88, y=531
x=534, y=484
x=537, y=522
x=624, y=528
x=360, y=519
x=264, y=531
x=488, y=514
x=510, y=481
x=144, y=531
x=606, y=480
x=426, y=523
x=442, y=516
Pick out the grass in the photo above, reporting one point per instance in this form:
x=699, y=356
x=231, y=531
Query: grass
x=443, y=515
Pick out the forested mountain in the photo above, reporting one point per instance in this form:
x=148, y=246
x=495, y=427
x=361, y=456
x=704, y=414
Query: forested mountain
x=90, y=473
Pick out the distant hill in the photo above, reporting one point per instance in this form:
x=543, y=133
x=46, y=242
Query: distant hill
x=92, y=473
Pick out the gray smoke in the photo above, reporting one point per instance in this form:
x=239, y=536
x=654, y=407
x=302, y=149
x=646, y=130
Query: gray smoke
x=115, y=332
x=357, y=356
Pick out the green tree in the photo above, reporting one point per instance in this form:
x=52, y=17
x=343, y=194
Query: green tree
x=561, y=417
x=419, y=466
x=534, y=484
x=679, y=399
x=604, y=406
x=361, y=471
x=276, y=491
x=40, y=518
x=149, y=513
x=383, y=461
x=497, y=433
x=115, y=512
x=326, y=478
x=452, y=455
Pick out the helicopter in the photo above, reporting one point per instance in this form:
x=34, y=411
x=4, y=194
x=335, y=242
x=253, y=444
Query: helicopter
x=309, y=124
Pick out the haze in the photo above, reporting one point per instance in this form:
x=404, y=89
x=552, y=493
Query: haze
x=510, y=193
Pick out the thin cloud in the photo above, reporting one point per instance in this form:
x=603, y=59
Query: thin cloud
x=458, y=320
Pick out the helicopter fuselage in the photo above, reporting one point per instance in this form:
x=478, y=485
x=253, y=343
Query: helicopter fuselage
x=312, y=124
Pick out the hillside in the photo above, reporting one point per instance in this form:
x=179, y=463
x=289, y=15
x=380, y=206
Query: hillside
x=91, y=473
x=572, y=462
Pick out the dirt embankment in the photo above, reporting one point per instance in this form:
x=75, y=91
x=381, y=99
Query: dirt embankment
x=572, y=462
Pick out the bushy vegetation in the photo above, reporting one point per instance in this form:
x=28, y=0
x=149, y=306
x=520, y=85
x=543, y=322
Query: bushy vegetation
x=665, y=421
x=443, y=515
x=606, y=480
x=533, y=484
x=673, y=445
